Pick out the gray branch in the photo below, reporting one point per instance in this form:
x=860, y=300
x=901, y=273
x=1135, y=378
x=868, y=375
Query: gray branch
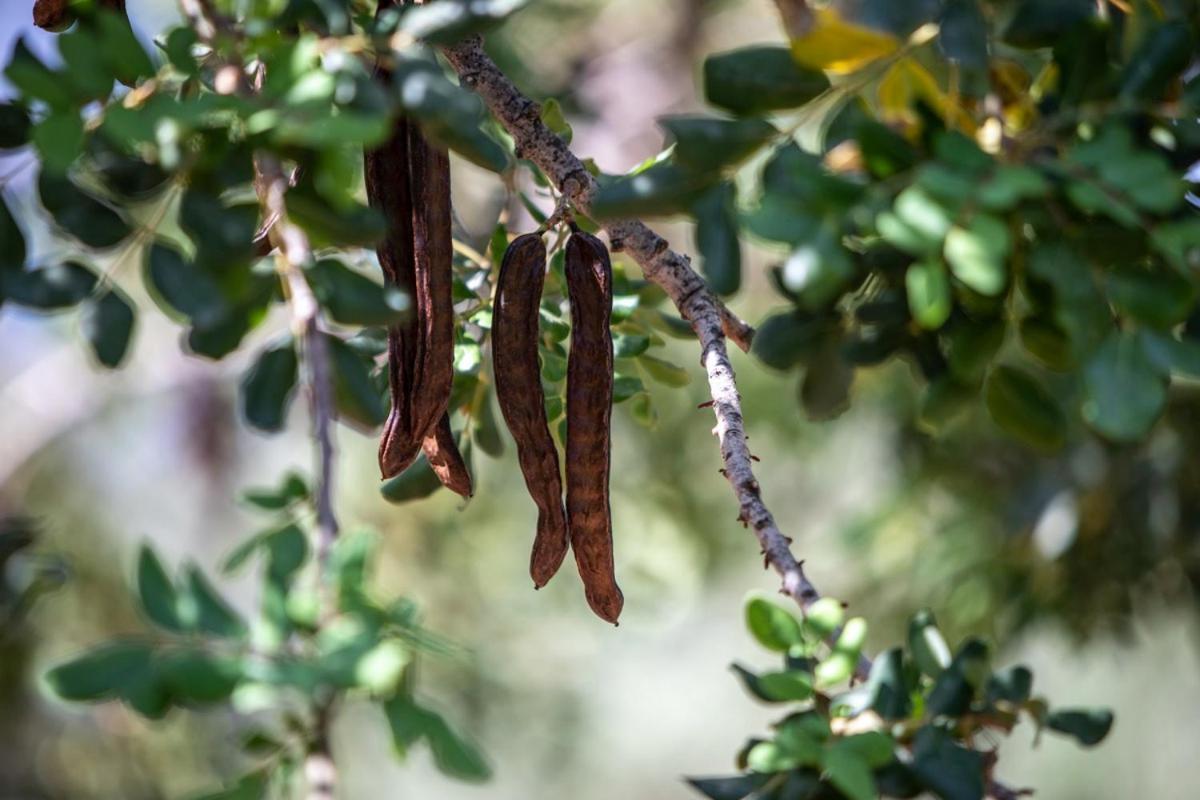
x=712, y=323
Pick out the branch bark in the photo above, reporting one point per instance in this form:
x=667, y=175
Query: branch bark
x=271, y=184
x=709, y=318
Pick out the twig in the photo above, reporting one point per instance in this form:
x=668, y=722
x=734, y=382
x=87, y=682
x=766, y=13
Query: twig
x=521, y=117
x=271, y=184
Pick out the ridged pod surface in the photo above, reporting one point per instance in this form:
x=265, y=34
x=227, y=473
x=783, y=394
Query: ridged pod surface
x=589, y=412
x=522, y=401
x=408, y=181
x=447, y=462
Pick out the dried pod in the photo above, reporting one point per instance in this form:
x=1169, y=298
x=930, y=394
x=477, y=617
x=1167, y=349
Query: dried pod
x=589, y=412
x=408, y=181
x=447, y=462
x=522, y=402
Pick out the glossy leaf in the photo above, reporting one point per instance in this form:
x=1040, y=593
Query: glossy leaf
x=1022, y=406
x=1124, y=391
x=717, y=238
x=269, y=385
x=157, y=595
x=1087, y=726
x=761, y=78
x=108, y=326
x=773, y=627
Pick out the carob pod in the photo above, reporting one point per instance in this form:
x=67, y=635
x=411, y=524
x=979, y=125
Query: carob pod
x=447, y=462
x=522, y=402
x=589, y=412
x=408, y=181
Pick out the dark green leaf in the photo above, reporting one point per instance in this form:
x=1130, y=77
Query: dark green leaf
x=735, y=788
x=1039, y=23
x=1024, y=408
x=291, y=489
x=712, y=143
x=451, y=20
x=1156, y=297
x=108, y=325
x=59, y=138
x=928, y=647
x=415, y=483
x=193, y=677
x=1124, y=391
x=223, y=234
x=157, y=594
x=14, y=126
x=48, y=288
x=82, y=216
x=35, y=81
x=268, y=387
x=99, y=674
x=454, y=755
x=946, y=767
x=12, y=242
x=783, y=341
x=717, y=238
x=358, y=399
x=204, y=610
x=1159, y=60
x=250, y=787
x=662, y=190
x=849, y=772
x=1014, y=685
x=354, y=299
x=760, y=78
x=1087, y=726
x=963, y=33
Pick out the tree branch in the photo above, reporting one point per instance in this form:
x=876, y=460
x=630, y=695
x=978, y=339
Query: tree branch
x=294, y=254
x=711, y=321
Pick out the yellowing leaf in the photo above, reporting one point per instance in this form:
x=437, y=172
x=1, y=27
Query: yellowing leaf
x=838, y=46
x=905, y=83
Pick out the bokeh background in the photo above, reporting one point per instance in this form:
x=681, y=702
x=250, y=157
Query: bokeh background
x=1081, y=566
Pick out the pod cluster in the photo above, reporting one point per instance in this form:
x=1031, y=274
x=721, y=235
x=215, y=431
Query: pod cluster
x=585, y=522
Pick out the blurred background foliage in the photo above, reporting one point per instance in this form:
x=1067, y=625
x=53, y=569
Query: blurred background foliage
x=1083, y=564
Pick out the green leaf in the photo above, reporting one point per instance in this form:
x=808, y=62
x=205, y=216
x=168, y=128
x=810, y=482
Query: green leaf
x=1158, y=62
x=773, y=627
x=963, y=33
x=269, y=385
x=183, y=287
x=1039, y=23
x=336, y=227
x=193, y=677
x=120, y=48
x=1019, y=404
x=957, y=685
x=87, y=219
x=454, y=755
x=35, y=81
x=1124, y=392
x=157, y=594
x=12, y=242
x=1014, y=685
x=1170, y=355
x=840, y=664
x=626, y=387
x=824, y=617
x=292, y=489
x=665, y=372
x=415, y=483
x=717, y=238
x=928, y=647
x=1088, y=726
x=222, y=233
x=1179, y=243
x=354, y=299
x=817, y=272
x=204, y=610
x=99, y=674
x=107, y=325
x=918, y=222
x=1046, y=342
x=887, y=692
x=662, y=190
x=556, y=120
x=928, y=291
x=738, y=787
x=1009, y=184
x=485, y=429
x=761, y=78
x=357, y=398
x=249, y=787
x=1156, y=297
x=782, y=341
x=453, y=20
x=48, y=288
x=59, y=138
x=847, y=770
x=14, y=126
x=768, y=757
x=712, y=143
x=946, y=767
x=978, y=253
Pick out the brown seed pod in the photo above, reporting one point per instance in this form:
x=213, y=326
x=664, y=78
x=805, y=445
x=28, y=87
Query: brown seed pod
x=408, y=181
x=447, y=462
x=589, y=412
x=522, y=402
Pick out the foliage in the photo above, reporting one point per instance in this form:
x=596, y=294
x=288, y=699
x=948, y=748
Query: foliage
x=916, y=724
x=286, y=659
x=992, y=191
x=1000, y=199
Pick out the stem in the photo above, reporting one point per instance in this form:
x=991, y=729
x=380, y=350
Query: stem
x=294, y=254
x=709, y=318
